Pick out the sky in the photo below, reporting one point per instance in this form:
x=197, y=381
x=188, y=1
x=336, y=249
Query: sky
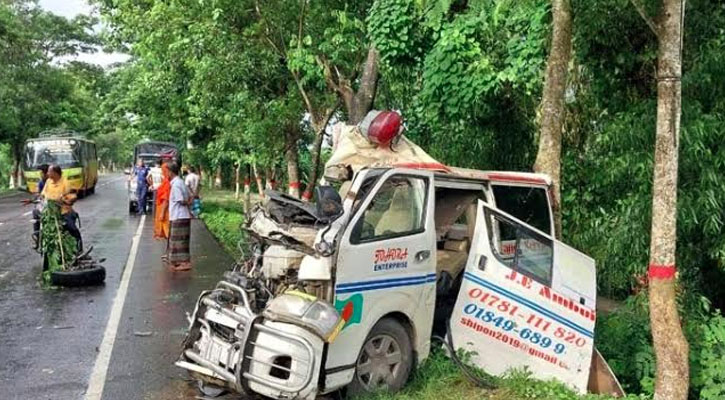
x=71, y=8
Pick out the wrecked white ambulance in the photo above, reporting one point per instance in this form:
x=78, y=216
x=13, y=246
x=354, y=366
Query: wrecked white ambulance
x=347, y=292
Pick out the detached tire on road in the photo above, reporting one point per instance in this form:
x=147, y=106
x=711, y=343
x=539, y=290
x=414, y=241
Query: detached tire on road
x=87, y=277
x=385, y=360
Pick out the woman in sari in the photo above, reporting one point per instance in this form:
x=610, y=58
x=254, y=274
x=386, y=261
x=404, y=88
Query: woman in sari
x=161, y=218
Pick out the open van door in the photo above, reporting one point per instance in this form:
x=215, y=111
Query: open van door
x=526, y=300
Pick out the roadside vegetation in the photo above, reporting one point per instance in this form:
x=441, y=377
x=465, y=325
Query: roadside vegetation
x=439, y=378
x=223, y=215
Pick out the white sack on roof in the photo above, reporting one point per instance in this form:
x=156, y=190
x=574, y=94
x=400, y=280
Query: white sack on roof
x=353, y=150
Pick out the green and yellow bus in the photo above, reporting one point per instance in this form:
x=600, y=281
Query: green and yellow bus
x=75, y=155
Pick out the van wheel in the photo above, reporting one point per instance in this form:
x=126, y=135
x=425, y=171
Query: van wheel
x=385, y=360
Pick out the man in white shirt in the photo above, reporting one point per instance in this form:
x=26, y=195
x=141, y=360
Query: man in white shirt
x=180, y=219
x=192, y=182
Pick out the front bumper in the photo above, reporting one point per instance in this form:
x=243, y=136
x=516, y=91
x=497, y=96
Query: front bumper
x=228, y=345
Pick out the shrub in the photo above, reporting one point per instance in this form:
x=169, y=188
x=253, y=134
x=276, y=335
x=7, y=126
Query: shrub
x=624, y=338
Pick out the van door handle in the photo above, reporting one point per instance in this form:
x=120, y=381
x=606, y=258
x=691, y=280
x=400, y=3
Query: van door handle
x=422, y=255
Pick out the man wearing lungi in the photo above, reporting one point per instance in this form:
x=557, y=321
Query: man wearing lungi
x=180, y=217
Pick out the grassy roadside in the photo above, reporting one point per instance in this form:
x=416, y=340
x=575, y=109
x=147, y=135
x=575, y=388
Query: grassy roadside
x=438, y=378
x=223, y=216
x=4, y=191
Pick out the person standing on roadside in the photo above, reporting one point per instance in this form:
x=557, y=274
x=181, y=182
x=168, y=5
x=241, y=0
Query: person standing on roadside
x=192, y=183
x=161, y=216
x=143, y=180
x=180, y=217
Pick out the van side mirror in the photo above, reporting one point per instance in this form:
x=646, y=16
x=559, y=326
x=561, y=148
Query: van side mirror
x=329, y=203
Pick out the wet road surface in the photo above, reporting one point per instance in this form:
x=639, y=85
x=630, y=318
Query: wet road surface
x=50, y=338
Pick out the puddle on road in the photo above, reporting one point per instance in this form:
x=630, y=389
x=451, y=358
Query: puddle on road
x=112, y=223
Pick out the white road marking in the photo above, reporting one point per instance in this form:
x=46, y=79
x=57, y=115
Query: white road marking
x=98, y=375
x=27, y=213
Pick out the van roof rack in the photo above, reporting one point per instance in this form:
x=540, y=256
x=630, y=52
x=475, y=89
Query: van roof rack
x=59, y=132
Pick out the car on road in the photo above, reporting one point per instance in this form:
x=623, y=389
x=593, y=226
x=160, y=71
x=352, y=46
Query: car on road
x=75, y=154
x=151, y=152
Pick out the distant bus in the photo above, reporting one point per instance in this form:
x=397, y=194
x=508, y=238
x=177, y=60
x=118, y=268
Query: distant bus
x=73, y=153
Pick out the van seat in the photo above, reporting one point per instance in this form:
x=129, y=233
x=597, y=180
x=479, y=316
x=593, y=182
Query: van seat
x=450, y=261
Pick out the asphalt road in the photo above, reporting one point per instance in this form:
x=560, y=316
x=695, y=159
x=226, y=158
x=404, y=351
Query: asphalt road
x=52, y=340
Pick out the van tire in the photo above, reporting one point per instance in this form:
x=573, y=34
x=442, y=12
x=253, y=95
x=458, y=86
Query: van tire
x=387, y=338
x=86, y=277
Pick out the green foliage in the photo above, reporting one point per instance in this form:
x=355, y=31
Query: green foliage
x=394, y=29
x=624, y=338
x=35, y=93
x=5, y=164
x=59, y=247
x=224, y=219
x=707, y=353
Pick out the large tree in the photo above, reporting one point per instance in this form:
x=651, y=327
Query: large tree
x=35, y=92
x=553, y=108
x=670, y=345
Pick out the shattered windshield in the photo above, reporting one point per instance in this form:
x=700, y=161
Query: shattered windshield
x=62, y=152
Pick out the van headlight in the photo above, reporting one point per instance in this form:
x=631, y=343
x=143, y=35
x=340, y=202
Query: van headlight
x=307, y=311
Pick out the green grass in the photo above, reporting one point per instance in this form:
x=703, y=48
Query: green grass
x=439, y=378
x=223, y=216
x=5, y=191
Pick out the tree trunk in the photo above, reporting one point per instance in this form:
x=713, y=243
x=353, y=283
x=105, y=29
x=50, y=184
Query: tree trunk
x=258, y=179
x=365, y=96
x=16, y=179
x=218, y=178
x=316, y=149
x=357, y=104
x=548, y=158
x=247, y=190
x=319, y=127
x=670, y=345
x=293, y=174
x=236, y=181
x=269, y=177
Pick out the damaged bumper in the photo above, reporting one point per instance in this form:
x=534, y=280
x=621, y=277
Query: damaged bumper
x=229, y=345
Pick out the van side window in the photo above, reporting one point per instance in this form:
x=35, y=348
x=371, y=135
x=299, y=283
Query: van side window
x=521, y=249
x=529, y=204
x=397, y=209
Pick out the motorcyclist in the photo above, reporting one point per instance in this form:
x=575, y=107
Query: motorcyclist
x=57, y=189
